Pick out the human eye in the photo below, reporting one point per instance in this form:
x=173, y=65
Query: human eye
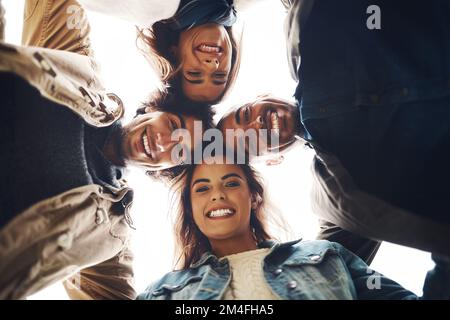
x=247, y=114
x=194, y=73
x=220, y=75
x=202, y=189
x=233, y=184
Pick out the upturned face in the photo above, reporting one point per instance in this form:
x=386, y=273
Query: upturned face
x=205, y=55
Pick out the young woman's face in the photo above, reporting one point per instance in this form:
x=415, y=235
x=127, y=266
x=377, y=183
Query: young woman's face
x=205, y=55
x=221, y=201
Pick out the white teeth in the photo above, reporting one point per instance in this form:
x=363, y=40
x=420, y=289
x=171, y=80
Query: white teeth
x=220, y=213
x=275, y=121
x=146, y=146
x=207, y=48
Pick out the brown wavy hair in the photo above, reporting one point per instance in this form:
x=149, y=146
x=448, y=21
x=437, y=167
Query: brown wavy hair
x=155, y=43
x=191, y=243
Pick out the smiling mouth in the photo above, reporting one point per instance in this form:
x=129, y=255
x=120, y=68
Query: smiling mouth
x=219, y=213
x=145, y=143
x=209, y=48
x=273, y=121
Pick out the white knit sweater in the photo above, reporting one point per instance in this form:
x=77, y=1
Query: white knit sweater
x=247, y=278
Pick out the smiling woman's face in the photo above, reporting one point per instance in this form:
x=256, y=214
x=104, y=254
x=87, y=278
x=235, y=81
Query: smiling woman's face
x=221, y=201
x=205, y=54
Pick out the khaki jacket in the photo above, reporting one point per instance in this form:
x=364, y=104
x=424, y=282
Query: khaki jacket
x=84, y=232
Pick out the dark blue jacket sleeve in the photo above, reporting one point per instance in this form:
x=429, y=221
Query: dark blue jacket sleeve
x=370, y=285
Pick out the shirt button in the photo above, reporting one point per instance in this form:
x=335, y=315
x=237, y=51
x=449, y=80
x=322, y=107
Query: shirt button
x=65, y=241
x=292, y=285
x=315, y=258
x=278, y=271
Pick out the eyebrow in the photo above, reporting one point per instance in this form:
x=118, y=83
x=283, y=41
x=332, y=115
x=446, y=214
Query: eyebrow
x=223, y=178
x=219, y=83
x=237, y=115
x=231, y=175
x=200, y=81
x=199, y=180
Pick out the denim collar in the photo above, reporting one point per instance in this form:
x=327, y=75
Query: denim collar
x=208, y=257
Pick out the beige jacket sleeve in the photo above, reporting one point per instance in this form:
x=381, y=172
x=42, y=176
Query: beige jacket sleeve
x=112, y=279
x=2, y=22
x=56, y=24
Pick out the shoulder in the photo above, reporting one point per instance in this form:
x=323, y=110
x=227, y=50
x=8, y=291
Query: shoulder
x=171, y=281
x=312, y=252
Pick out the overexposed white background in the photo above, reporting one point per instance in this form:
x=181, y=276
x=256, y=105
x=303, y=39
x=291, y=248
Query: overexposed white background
x=263, y=70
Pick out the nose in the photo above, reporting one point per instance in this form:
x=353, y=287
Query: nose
x=218, y=194
x=163, y=142
x=211, y=63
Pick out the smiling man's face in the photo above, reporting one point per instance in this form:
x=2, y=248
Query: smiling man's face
x=279, y=117
x=147, y=140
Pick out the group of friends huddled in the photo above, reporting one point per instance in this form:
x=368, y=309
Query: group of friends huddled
x=373, y=103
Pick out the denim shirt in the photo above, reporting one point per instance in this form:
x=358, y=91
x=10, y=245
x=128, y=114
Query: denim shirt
x=293, y=271
x=346, y=65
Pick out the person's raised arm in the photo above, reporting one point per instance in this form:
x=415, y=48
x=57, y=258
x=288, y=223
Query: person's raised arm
x=2, y=22
x=57, y=24
x=370, y=285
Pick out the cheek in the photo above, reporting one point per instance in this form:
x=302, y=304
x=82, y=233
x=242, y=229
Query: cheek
x=197, y=209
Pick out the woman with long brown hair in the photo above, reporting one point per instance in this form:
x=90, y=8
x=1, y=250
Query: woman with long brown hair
x=191, y=44
x=225, y=250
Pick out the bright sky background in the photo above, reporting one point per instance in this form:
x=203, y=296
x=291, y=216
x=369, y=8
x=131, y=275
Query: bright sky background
x=263, y=70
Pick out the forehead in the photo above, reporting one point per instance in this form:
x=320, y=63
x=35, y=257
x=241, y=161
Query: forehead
x=216, y=171
x=206, y=91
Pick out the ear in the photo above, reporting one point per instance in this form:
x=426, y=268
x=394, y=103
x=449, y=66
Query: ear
x=275, y=160
x=255, y=201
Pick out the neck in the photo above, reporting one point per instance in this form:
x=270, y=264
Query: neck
x=234, y=245
x=112, y=149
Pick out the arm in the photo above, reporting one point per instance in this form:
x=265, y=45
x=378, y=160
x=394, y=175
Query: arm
x=111, y=279
x=139, y=12
x=337, y=199
x=370, y=285
x=298, y=12
x=63, y=25
x=2, y=22
x=364, y=248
